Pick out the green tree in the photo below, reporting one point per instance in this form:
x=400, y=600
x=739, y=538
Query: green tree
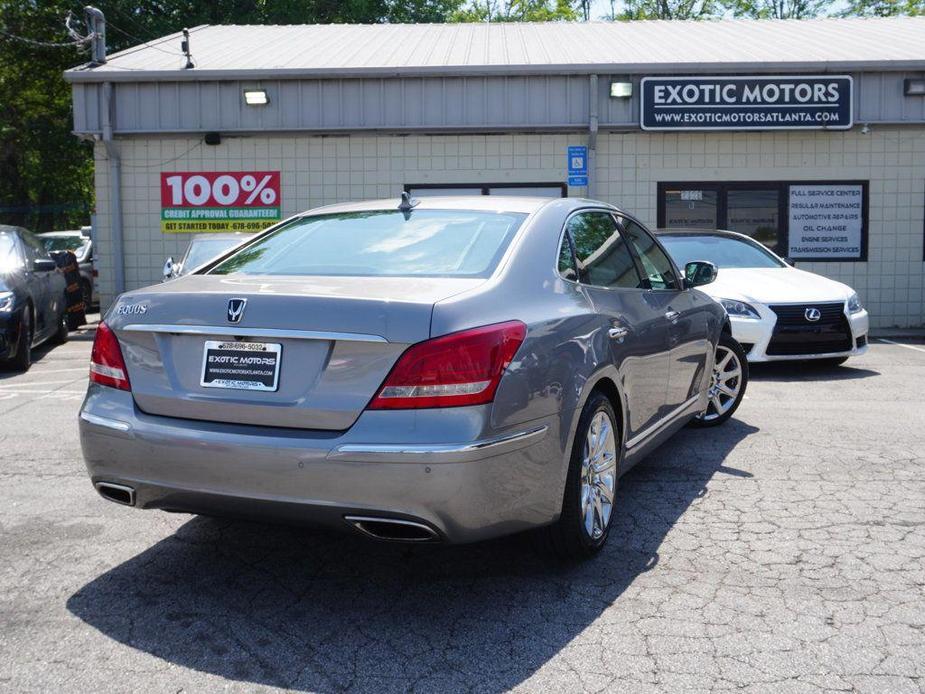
x=779, y=9
x=665, y=9
x=884, y=8
x=516, y=11
x=45, y=172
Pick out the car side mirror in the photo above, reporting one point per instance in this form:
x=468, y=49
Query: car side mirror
x=168, y=268
x=44, y=265
x=790, y=261
x=698, y=273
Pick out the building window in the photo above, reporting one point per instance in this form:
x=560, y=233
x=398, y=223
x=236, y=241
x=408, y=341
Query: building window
x=805, y=220
x=542, y=190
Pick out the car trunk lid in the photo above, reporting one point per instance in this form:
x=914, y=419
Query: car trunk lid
x=335, y=339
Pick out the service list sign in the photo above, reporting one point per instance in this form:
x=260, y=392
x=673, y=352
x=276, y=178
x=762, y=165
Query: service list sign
x=205, y=201
x=826, y=221
x=746, y=103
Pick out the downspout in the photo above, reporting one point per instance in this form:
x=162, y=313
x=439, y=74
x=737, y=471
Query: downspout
x=115, y=190
x=592, y=140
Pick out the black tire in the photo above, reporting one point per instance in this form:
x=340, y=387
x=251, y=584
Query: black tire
x=828, y=363
x=23, y=359
x=60, y=336
x=567, y=538
x=713, y=416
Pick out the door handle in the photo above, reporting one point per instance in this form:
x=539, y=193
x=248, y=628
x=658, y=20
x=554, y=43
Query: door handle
x=618, y=333
x=673, y=315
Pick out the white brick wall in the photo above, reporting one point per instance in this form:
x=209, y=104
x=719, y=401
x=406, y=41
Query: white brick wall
x=324, y=170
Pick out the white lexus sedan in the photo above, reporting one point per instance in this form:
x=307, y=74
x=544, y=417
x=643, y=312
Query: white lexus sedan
x=777, y=311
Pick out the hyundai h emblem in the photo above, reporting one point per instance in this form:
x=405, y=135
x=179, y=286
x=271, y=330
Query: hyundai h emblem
x=812, y=314
x=236, y=310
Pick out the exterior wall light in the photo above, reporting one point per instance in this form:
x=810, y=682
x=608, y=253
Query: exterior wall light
x=621, y=90
x=914, y=87
x=256, y=97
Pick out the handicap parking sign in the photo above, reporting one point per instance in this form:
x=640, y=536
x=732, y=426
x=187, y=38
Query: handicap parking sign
x=578, y=165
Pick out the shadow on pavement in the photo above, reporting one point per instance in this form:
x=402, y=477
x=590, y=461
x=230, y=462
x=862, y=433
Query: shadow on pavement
x=786, y=372
x=286, y=607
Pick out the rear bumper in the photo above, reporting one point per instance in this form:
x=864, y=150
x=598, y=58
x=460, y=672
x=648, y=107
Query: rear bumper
x=463, y=484
x=758, y=334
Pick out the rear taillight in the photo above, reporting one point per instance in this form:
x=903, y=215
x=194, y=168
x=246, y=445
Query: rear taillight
x=459, y=369
x=106, y=364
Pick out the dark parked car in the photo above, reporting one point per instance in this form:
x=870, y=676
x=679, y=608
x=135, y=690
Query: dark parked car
x=80, y=244
x=32, y=303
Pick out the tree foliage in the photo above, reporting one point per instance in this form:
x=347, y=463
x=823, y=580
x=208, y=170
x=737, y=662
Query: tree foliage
x=516, y=11
x=884, y=8
x=779, y=9
x=666, y=9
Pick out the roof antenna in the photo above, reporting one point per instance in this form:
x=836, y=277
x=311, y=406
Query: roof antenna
x=184, y=46
x=407, y=203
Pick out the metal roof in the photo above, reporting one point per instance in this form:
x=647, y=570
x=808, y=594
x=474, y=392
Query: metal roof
x=360, y=50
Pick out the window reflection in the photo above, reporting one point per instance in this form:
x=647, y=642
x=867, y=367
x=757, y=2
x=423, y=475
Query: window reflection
x=754, y=213
x=691, y=208
x=604, y=259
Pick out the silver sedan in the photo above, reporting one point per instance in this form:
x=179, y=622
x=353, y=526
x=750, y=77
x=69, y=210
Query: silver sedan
x=446, y=370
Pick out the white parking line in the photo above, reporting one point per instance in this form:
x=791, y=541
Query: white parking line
x=22, y=391
x=55, y=371
x=900, y=344
x=37, y=384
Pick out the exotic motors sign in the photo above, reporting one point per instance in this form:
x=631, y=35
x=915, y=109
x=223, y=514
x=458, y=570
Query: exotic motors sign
x=203, y=201
x=746, y=103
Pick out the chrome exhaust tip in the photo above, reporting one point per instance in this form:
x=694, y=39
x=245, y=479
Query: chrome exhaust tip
x=118, y=493
x=393, y=529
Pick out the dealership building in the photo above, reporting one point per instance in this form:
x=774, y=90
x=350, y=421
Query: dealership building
x=807, y=135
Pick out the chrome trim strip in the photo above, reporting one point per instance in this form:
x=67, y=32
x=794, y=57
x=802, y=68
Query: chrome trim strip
x=235, y=331
x=107, y=422
x=641, y=436
x=437, y=452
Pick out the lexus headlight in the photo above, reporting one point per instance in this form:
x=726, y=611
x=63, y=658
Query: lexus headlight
x=739, y=309
x=6, y=301
x=854, y=304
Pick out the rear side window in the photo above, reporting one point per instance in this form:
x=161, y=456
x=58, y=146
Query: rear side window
x=658, y=268
x=425, y=243
x=604, y=259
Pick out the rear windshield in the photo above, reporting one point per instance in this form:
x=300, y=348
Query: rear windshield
x=423, y=243
x=722, y=251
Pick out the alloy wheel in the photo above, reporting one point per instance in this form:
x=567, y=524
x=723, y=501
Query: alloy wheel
x=725, y=383
x=598, y=475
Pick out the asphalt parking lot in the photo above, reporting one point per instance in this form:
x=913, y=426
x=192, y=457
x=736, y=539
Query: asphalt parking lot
x=783, y=552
